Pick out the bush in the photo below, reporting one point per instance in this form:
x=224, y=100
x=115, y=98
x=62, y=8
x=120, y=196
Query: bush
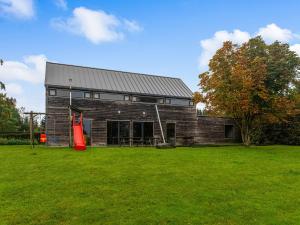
x=5, y=141
x=287, y=133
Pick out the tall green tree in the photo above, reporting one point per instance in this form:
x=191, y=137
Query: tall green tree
x=251, y=83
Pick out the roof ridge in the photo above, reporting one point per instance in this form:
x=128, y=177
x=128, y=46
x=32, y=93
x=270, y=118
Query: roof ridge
x=135, y=73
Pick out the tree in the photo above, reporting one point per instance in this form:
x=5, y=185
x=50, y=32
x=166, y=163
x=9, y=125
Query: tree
x=251, y=83
x=10, y=119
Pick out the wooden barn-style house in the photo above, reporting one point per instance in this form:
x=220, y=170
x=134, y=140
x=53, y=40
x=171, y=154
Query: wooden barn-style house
x=125, y=108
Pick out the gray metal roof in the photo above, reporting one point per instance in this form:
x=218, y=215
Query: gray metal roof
x=114, y=81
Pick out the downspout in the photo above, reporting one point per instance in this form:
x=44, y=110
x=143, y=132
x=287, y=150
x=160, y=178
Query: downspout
x=161, y=129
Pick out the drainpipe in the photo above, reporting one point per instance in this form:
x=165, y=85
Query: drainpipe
x=161, y=129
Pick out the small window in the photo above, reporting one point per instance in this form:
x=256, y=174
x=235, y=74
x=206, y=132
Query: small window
x=134, y=99
x=52, y=92
x=96, y=95
x=229, y=130
x=87, y=95
x=191, y=103
x=161, y=101
x=168, y=101
x=126, y=98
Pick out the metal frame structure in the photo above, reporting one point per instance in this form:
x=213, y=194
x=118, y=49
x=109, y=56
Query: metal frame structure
x=31, y=118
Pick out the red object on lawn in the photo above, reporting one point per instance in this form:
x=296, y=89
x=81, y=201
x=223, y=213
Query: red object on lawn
x=78, y=138
x=43, y=138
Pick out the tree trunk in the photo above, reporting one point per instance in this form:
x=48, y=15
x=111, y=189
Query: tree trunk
x=245, y=133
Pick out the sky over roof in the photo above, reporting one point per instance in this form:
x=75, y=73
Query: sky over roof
x=175, y=37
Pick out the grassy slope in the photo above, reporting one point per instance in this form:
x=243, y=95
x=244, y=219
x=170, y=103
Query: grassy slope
x=211, y=185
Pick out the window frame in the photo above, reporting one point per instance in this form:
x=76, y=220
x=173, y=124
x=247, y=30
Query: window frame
x=85, y=93
x=55, y=92
x=161, y=101
x=98, y=94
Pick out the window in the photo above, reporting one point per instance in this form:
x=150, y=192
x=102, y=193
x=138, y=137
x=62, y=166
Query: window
x=87, y=95
x=118, y=132
x=126, y=98
x=191, y=103
x=52, y=92
x=142, y=133
x=168, y=101
x=96, y=95
x=161, y=101
x=145, y=99
x=229, y=130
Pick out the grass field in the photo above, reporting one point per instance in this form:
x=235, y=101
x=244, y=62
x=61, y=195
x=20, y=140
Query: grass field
x=208, y=185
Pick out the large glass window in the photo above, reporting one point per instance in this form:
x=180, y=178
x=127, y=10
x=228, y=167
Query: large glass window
x=143, y=133
x=118, y=132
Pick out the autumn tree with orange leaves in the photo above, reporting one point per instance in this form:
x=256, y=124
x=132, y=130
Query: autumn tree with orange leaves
x=252, y=83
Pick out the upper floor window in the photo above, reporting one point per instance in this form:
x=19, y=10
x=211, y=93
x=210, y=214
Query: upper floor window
x=96, y=96
x=161, y=101
x=52, y=92
x=191, y=103
x=168, y=101
x=134, y=99
x=126, y=98
x=87, y=95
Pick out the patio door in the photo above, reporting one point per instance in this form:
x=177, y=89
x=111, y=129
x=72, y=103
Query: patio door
x=118, y=132
x=171, y=133
x=142, y=133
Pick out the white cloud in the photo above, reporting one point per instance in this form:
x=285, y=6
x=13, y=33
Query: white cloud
x=211, y=45
x=17, y=8
x=23, y=81
x=296, y=48
x=96, y=26
x=61, y=4
x=31, y=69
x=269, y=33
x=13, y=89
x=272, y=33
x=132, y=25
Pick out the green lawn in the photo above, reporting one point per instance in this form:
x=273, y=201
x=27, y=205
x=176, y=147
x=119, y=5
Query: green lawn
x=208, y=185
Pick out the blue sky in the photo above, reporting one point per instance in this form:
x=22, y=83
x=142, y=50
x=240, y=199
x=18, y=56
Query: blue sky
x=170, y=37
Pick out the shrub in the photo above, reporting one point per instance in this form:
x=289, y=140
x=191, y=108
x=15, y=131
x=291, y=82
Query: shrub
x=5, y=141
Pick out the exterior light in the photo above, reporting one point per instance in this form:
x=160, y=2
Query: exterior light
x=119, y=112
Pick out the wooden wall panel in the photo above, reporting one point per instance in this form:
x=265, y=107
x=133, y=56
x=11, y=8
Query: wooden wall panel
x=189, y=128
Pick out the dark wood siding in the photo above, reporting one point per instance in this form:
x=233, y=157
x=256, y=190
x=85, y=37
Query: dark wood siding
x=189, y=128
